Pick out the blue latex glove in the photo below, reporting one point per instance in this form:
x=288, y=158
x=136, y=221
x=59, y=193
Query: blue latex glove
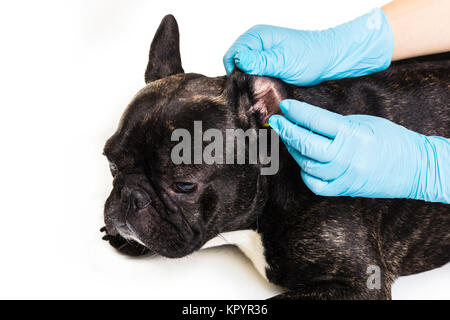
x=363, y=156
x=298, y=57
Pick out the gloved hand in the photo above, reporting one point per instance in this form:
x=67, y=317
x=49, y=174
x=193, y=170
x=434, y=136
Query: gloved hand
x=298, y=57
x=363, y=156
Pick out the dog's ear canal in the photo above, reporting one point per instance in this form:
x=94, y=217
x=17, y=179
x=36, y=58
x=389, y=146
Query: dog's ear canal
x=256, y=98
x=164, y=57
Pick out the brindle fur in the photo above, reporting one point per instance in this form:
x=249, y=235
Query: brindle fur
x=316, y=247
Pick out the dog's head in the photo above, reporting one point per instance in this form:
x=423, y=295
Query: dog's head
x=165, y=195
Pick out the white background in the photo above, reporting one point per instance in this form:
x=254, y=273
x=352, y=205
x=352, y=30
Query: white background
x=67, y=71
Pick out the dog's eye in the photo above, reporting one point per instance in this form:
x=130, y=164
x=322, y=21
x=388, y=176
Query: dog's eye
x=184, y=187
x=113, y=168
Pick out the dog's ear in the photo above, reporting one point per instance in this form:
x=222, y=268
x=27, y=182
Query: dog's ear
x=255, y=98
x=164, y=57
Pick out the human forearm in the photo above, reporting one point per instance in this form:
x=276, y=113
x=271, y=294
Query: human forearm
x=432, y=179
x=362, y=155
x=419, y=27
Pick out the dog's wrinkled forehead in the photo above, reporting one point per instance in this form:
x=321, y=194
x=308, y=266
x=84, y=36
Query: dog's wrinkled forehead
x=175, y=102
x=165, y=105
x=170, y=96
x=174, y=93
x=184, y=85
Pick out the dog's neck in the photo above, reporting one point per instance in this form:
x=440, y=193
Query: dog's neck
x=285, y=191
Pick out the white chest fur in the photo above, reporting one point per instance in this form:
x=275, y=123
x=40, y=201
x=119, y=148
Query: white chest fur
x=248, y=241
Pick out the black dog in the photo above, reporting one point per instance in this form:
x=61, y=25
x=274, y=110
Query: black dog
x=316, y=247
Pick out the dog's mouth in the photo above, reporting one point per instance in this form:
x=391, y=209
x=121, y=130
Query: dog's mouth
x=145, y=218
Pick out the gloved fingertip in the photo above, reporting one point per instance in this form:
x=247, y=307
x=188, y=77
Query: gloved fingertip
x=228, y=60
x=245, y=60
x=229, y=66
x=273, y=122
x=284, y=106
x=230, y=69
x=316, y=185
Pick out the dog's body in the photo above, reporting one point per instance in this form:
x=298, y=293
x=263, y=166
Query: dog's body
x=315, y=247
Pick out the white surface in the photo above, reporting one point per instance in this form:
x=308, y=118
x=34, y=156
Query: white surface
x=67, y=71
x=249, y=243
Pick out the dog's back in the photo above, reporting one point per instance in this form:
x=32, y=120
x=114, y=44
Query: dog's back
x=414, y=93
x=338, y=238
x=414, y=235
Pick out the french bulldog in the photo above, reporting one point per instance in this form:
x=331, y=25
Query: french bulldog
x=315, y=247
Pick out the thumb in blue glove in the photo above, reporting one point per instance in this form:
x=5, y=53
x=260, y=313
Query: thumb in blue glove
x=363, y=156
x=300, y=57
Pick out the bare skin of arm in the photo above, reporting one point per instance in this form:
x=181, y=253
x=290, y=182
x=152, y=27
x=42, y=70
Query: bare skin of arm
x=419, y=27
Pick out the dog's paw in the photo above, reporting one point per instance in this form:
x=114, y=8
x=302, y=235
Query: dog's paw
x=128, y=247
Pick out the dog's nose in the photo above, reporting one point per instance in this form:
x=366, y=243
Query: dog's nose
x=134, y=198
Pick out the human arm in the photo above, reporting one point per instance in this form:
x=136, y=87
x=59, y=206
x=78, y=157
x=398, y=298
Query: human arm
x=401, y=29
x=363, y=156
x=419, y=27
